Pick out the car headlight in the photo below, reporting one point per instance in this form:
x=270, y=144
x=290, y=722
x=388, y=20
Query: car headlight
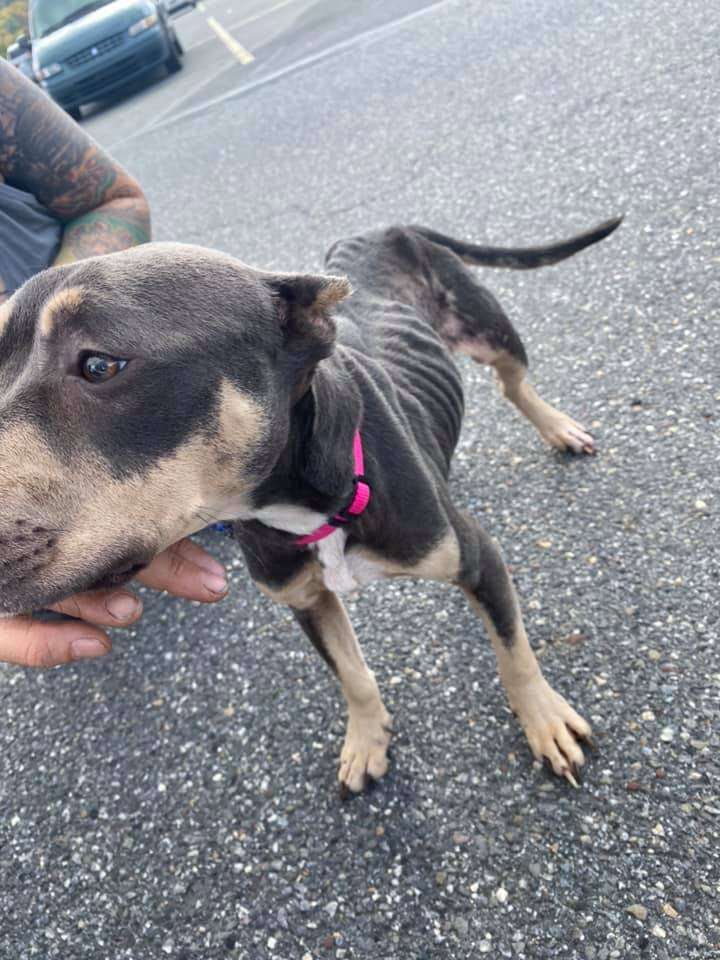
x=143, y=24
x=44, y=73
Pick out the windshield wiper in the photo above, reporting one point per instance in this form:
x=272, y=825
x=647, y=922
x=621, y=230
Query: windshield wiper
x=75, y=15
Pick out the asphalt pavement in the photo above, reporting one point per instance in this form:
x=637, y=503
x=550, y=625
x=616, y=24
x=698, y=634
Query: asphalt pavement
x=177, y=799
x=230, y=44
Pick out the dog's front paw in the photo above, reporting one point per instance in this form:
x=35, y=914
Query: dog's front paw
x=364, y=752
x=563, y=433
x=552, y=727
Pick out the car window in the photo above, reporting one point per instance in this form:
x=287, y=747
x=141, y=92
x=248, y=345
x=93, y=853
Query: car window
x=49, y=15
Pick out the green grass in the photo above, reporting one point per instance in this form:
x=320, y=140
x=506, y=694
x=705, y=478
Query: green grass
x=13, y=21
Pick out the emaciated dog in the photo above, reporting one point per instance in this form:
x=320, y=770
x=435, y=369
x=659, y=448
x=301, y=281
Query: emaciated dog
x=146, y=394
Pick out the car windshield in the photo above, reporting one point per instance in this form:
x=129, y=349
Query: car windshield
x=49, y=15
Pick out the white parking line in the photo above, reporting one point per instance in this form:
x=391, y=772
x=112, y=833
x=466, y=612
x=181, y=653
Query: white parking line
x=374, y=34
x=263, y=13
x=238, y=24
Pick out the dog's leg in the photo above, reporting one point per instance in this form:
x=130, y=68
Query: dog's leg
x=364, y=753
x=499, y=345
x=471, y=321
x=550, y=724
x=554, y=426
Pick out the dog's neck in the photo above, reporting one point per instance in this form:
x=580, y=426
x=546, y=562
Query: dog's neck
x=313, y=477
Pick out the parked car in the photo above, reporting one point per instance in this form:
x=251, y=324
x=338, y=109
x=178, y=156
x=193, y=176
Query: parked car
x=85, y=51
x=179, y=6
x=19, y=54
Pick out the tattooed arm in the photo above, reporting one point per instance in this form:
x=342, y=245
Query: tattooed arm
x=44, y=152
x=103, y=209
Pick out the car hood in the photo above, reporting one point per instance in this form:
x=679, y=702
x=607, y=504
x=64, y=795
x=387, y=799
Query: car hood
x=93, y=27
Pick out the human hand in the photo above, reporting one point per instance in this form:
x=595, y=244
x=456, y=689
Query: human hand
x=184, y=570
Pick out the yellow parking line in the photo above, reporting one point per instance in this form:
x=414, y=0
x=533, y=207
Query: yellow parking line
x=233, y=45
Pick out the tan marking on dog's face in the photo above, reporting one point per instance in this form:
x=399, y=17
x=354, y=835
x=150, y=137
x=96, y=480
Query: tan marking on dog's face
x=25, y=456
x=203, y=481
x=242, y=419
x=34, y=497
x=242, y=426
x=97, y=522
x=68, y=299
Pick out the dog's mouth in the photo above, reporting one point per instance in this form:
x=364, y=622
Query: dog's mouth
x=26, y=604
x=118, y=576
x=26, y=590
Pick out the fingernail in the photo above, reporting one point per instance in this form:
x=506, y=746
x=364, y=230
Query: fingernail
x=122, y=606
x=86, y=647
x=211, y=565
x=216, y=584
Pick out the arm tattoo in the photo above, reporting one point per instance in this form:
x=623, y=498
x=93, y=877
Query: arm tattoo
x=114, y=226
x=44, y=152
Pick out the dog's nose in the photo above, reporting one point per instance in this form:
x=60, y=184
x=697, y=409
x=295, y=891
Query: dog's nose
x=25, y=548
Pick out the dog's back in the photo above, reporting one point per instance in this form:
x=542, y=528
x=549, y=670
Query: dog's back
x=415, y=302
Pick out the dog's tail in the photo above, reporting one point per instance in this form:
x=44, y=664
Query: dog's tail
x=523, y=258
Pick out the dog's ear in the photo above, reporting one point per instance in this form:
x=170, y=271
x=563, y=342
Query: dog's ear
x=304, y=306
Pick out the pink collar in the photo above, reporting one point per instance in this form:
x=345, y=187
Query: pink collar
x=359, y=502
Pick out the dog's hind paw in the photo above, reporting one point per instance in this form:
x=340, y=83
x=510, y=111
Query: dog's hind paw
x=364, y=753
x=552, y=727
x=563, y=433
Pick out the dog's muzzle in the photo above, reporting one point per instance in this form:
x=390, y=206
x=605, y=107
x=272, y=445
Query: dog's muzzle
x=25, y=548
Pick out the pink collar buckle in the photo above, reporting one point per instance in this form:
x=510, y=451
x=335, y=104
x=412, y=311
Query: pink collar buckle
x=359, y=502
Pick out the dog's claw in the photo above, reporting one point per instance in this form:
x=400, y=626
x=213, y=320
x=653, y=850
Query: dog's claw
x=571, y=774
x=364, y=753
x=567, y=435
x=570, y=778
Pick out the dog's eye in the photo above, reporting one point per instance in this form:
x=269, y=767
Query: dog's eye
x=96, y=368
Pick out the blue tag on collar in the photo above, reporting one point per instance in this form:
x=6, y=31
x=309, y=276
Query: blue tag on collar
x=224, y=528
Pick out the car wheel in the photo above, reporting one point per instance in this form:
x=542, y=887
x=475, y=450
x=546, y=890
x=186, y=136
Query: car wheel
x=174, y=61
x=75, y=113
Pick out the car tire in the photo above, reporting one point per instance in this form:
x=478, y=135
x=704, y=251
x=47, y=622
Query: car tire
x=75, y=113
x=174, y=61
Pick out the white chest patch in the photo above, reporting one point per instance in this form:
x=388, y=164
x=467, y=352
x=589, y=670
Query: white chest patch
x=288, y=517
x=342, y=572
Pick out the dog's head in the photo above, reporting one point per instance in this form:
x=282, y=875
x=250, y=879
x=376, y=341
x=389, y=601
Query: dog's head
x=143, y=395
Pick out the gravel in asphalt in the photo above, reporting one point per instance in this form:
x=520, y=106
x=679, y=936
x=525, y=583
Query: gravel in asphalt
x=177, y=799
